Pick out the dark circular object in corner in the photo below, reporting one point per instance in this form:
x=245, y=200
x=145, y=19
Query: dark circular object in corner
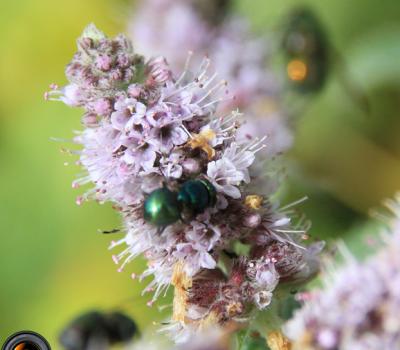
x=26, y=340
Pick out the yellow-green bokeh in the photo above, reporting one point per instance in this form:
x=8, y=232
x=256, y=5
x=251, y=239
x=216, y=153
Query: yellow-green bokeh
x=53, y=262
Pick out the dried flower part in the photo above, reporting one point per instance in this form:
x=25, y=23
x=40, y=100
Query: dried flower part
x=277, y=341
x=359, y=305
x=181, y=283
x=202, y=141
x=179, y=174
x=254, y=201
x=211, y=320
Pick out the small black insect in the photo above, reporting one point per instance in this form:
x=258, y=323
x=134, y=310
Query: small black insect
x=95, y=330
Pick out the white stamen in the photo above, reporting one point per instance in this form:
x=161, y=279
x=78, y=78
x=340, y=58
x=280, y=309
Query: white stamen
x=186, y=68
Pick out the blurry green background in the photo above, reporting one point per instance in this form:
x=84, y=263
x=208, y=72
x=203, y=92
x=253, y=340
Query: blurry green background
x=54, y=264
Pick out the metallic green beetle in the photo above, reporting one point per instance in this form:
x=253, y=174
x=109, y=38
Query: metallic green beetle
x=310, y=57
x=306, y=47
x=164, y=207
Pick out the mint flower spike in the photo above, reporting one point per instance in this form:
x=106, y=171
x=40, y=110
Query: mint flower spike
x=359, y=306
x=208, y=27
x=146, y=128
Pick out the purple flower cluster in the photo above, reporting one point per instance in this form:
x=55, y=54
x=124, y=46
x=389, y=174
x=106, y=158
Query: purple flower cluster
x=206, y=27
x=359, y=306
x=146, y=128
